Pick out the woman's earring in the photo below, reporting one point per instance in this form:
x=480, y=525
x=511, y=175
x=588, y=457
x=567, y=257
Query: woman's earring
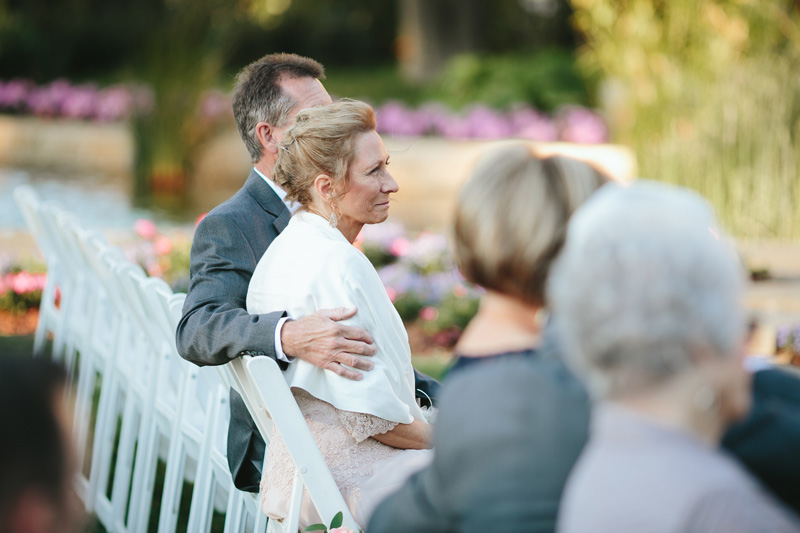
x=333, y=220
x=704, y=399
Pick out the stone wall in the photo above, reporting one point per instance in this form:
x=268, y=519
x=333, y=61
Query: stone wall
x=429, y=170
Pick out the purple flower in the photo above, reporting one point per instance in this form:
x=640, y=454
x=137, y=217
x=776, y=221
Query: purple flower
x=580, y=125
x=382, y=235
x=782, y=337
x=454, y=127
x=215, y=104
x=441, y=283
x=796, y=339
x=427, y=250
x=486, y=123
x=48, y=100
x=14, y=94
x=394, y=118
x=401, y=280
x=434, y=115
x=80, y=102
x=534, y=125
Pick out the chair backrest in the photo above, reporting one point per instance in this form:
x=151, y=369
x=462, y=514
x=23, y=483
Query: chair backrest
x=29, y=204
x=264, y=386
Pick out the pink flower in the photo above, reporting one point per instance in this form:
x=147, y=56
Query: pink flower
x=341, y=530
x=144, y=228
x=199, y=219
x=399, y=247
x=428, y=313
x=390, y=291
x=24, y=282
x=155, y=270
x=163, y=245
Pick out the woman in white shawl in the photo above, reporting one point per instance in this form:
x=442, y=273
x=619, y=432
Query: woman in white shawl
x=371, y=432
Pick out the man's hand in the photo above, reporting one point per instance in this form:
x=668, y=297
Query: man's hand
x=320, y=340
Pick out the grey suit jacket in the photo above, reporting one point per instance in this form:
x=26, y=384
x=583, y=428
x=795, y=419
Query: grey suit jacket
x=215, y=326
x=507, y=435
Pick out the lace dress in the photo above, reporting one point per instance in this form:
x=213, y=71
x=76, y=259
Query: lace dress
x=364, y=469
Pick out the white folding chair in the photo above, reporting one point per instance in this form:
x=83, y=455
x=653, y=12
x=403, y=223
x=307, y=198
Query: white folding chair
x=91, y=337
x=122, y=395
x=51, y=315
x=213, y=486
x=162, y=387
x=264, y=387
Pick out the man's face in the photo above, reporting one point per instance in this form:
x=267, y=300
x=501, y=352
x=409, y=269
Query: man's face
x=307, y=92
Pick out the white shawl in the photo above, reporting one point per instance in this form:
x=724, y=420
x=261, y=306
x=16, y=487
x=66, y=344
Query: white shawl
x=311, y=266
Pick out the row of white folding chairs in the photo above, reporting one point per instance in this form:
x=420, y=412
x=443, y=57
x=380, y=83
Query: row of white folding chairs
x=127, y=337
x=111, y=322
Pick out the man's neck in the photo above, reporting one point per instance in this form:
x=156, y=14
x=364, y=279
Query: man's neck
x=266, y=168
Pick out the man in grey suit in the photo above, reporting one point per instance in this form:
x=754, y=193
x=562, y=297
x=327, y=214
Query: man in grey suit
x=230, y=240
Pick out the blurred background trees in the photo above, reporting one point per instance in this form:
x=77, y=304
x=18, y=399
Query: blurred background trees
x=706, y=92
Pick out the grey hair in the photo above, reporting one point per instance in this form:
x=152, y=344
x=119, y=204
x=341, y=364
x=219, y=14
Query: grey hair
x=645, y=282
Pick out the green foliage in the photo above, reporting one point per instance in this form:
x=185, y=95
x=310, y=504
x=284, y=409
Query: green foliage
x=336, y=521
x=181, y=59
x=706, y=93
x=376, y=85
x=19, y=303
x=453, y=311
x=545, y=80
x=408, y=306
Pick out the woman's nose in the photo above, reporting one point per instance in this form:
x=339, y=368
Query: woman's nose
x=389, y=184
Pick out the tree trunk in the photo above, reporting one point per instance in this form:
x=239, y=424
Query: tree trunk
x=433, y=31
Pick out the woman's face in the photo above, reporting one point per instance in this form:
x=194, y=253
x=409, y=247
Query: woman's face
x=369, y=185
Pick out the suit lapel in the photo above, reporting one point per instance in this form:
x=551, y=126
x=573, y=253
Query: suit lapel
x=268, y=200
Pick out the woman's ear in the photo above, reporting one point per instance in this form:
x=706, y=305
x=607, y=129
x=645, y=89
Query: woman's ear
x=323, y=184
x=266, y=136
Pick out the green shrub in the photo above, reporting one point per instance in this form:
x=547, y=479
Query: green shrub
x=706, y=93
x=545, y=80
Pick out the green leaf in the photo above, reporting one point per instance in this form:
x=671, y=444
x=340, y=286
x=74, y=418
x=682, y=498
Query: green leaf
x=337, y=520
x=316, y=527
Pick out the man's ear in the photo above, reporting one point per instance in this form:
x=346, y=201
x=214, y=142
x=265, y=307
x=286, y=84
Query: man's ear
x=324, y=186
x=266, y=136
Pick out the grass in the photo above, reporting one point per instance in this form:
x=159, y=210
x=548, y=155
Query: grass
x=435, y=365
x=16, y=345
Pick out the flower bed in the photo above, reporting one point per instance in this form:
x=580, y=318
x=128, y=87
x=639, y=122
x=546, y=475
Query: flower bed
x=787, y=344
x=61, y=99
x=420, y=277
x=20, y=293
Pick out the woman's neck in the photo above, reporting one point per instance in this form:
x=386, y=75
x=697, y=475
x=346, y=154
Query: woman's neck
x=673, y=405
x=346, y=226
x=349, y=229
x=502, y=324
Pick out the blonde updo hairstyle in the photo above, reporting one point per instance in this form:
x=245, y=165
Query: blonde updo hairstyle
x=321, y=141
x=511, y=218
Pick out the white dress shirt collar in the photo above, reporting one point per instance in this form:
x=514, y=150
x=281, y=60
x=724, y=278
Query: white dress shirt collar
x=291, y=206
